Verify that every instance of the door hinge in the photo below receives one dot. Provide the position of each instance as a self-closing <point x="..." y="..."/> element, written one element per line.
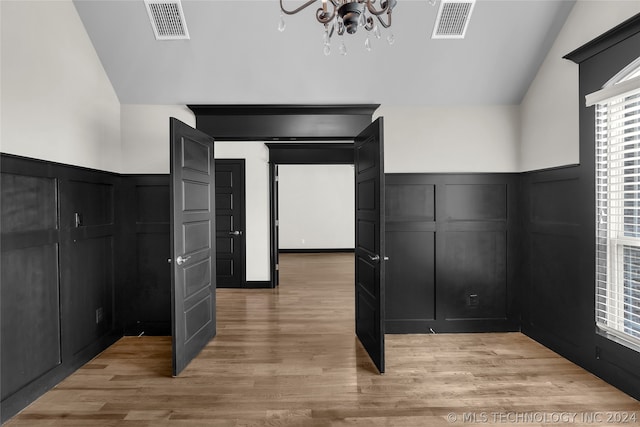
<point x="277" y="222"/>
<point x="277" y="178"/>
<point x="277" y="267"/>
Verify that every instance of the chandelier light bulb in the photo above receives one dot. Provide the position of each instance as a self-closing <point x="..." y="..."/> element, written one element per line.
<point x="281" y="24"/>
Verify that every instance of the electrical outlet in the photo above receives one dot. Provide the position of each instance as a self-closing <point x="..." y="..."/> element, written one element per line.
<point x="99" y="315"/>
<point x="473" y="300"/>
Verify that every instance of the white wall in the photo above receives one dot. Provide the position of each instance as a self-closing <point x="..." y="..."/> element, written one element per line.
<point x="145" y="136"/>
<point x="316" y="205"/>
<point x="57" y="101"/>
<point x="450" y="139"/>
<point x="549" y="111"/>
<point x="256" y="156"/>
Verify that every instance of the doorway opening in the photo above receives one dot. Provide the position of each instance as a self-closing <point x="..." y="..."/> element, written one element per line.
<point x="316" y="208"/>
<point x="366" y="153"/>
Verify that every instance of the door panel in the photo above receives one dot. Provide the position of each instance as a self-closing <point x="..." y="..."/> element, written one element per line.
<point x="193" y="282"/>
<point x="370" y="259"/>
<point x="230" y="223"/>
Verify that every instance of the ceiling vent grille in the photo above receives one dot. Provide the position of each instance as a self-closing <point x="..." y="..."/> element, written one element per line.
<point x="167" y="19"/>
<point x="453" y="19"/>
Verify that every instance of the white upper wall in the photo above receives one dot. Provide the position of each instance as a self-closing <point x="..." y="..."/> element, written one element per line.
<point x="257" y="233"/>
<point x="316" y="206"/>
<point x="57" y="102"/>
<point x="145" y="136"/>
<point x="550" y="110"/>
<point x="450" y="139"/>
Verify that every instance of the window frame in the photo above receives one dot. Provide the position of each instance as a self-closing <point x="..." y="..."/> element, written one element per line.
<point x="611" y="204"/>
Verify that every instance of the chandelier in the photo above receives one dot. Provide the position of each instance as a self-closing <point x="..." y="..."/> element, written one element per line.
<point x="347" y="16"/>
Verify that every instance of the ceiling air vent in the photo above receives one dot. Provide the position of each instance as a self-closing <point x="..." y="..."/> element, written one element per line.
<point x="167" y="19"/>
<point x="453" y="19"/>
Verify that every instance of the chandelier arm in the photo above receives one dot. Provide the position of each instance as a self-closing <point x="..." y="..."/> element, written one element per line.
<point x="294" y="11"/>
<point x="375" y="12"/>
<point x="385" y="24"/>
<point x="325" y="17"/>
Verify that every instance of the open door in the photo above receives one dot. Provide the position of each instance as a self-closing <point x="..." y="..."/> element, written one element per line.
<point x="193" y="286"/>
<point x="369" y="247"/>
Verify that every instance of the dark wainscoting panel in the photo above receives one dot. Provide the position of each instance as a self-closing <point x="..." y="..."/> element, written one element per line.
<point x="410" y="286"/>
<point x="473" y="275"/>
<point x="30" y="314"/>
<point x="146" y="285"/>
<point x="452" y="240"/>
<point x="57" y="285"/>
<point x="551" y="245"/>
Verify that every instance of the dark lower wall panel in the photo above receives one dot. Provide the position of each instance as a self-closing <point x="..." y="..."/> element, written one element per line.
<point x="454" y="253"/>
<point x="558" y="304"/>
<point x="57" y="287"/>
<point x="473" y="275"/>
<point x="90" y="293"/>
<point x="145" y="292"/>
<point x="30" y="315"/>
<point x="410" y="285"/>
<point x="550" y="296"/>
<point x="32" y="204"/>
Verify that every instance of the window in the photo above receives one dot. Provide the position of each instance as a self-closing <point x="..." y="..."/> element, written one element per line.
<point x="618" y="206"/>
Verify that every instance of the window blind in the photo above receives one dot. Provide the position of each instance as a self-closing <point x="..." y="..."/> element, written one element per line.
<point x="618" y="213"/>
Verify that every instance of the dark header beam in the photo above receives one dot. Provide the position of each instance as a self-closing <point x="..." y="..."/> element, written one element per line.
<point x="283" y="122"/>
<point x="311" y="154"/>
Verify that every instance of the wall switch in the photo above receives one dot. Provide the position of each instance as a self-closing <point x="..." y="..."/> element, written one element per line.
<point x="77" y="220"/>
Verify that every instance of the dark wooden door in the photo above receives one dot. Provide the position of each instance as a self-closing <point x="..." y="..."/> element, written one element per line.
<point x="370" y="258"/>
<point x="275" y="226"/>
<point x="230" y="223"/>
<point x="193" y="286"/>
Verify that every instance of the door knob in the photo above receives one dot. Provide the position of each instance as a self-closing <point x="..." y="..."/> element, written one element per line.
<point x="180" y="260"/>
<point x="374" y="258"/>
<point x="235" y="233"/>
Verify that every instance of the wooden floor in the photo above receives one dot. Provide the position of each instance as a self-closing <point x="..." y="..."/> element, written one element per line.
<point x="288" y="357"/>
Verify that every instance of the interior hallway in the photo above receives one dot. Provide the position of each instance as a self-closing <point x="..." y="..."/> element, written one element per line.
<point x="289" y="357"/>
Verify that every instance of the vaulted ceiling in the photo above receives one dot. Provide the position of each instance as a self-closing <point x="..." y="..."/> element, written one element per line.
<point x="236" y="55"/>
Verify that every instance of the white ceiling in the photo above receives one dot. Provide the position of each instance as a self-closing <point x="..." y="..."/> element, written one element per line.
<point x="236" y="55"/>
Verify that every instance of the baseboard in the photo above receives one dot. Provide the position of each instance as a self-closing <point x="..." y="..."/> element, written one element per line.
<point x="316" y="251"/>
<point x="258" y="284"/>
<point x="450" y="327"/>
<point x="154" y="329"/>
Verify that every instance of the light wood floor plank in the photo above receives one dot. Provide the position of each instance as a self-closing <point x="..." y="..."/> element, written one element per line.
<point x="289" y="357"/>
